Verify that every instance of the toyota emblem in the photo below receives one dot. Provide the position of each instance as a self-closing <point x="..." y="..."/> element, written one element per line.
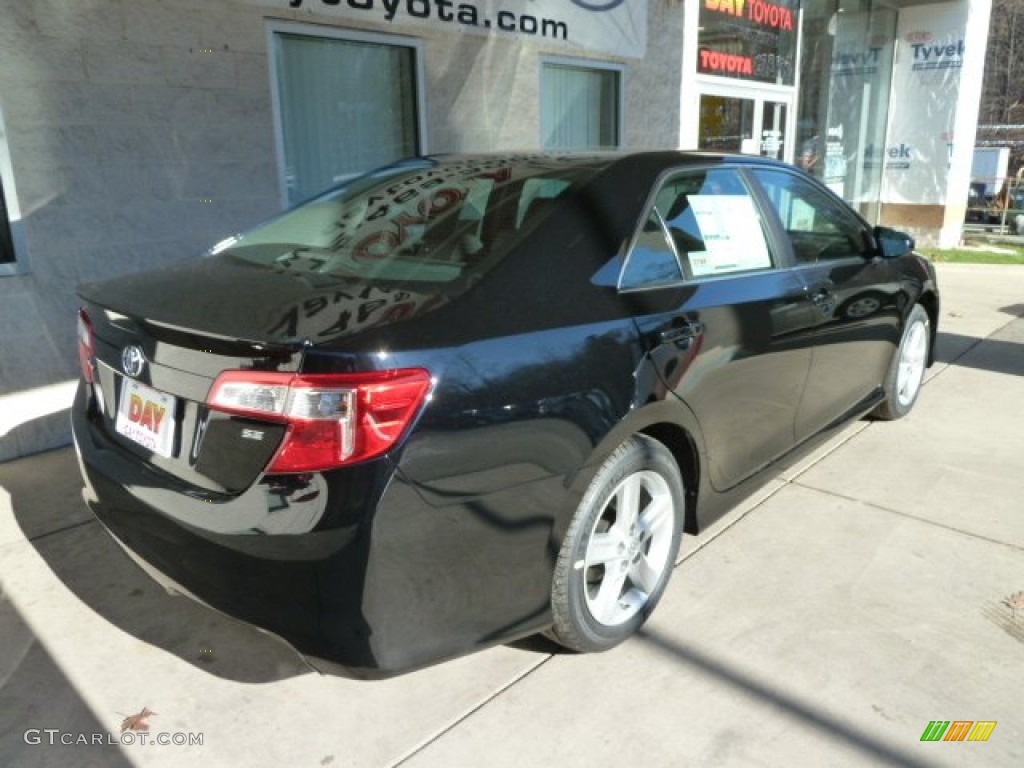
<point x="132" y="360"/>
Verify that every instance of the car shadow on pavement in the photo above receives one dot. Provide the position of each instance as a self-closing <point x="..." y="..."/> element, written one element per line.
<point x="839" y="730"/>
<point x="41" y="713"/>
<point x="47" y="506"/>
<point x="1017" y="310"/>
<point x="49" y="429"/>
<point x="539" y="644"/>
<point x="996" y="355"/>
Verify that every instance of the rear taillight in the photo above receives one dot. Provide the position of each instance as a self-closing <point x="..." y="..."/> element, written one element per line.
<point x="86" y="349"/>
<point x="333" y="419"/>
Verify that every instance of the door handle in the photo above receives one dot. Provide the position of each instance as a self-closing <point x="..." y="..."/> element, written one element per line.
<point x="822" y="293"/>
<point x="681" y="331"/>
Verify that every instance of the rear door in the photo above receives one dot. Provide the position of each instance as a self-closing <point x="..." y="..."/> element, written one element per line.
<point x="857" y="298"/>
<point x="726" y="324"/>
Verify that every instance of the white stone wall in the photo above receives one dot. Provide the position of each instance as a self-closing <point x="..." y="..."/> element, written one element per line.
<point x="141" y="131"/>
<point x="119" y="126"/>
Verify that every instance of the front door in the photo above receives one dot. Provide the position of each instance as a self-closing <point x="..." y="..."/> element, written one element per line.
<point x="858" y="300"/>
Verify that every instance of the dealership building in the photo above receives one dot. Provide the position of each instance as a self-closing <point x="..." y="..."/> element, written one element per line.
<point x="137" y="133"/>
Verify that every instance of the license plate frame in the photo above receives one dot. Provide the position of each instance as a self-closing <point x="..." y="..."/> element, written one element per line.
<point x="146" y="416"/>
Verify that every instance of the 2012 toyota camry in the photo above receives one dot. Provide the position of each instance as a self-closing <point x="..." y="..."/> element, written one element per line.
<point x="465" y="399"/>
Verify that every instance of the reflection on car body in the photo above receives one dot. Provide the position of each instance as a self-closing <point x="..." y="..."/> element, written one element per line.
<point x="464" y="399"/>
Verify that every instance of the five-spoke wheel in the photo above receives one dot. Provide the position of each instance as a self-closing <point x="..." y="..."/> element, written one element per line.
<point x="620" y="548"/>
<point x="906" y="374"/>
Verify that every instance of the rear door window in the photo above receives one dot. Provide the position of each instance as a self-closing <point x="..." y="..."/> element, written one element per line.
<point x="707" y="222"/>
<point x="653" y="261"/>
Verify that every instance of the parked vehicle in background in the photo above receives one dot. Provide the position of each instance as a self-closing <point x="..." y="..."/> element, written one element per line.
<point x="977" y="203"/>
<point x="465" y="399"/>
<point x="1003" y="209"/>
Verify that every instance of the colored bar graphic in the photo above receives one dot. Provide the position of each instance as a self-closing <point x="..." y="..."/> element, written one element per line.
<point x="958" y="730"/>
<point x="982" y="730"/>
<point x="935" y="730"/>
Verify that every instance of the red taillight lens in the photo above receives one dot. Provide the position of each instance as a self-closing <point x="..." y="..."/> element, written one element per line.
<point x="334" y="419"/>
<point x="85" y="345"/>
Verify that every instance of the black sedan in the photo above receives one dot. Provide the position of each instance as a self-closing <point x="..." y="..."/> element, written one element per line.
<point x="465" y="399"/>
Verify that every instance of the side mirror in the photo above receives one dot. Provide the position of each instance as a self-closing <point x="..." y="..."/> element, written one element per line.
<point x="892" y="244"/>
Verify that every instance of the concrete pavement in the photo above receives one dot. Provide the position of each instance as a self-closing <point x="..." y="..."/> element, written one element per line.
<point x="867" y="591"/>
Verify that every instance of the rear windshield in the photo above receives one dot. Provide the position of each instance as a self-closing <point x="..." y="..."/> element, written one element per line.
<point x="418" y="221"/>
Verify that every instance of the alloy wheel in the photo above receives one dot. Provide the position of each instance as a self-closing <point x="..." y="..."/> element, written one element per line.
<point x="629" y="548"/>
<point x="913" y="359"/>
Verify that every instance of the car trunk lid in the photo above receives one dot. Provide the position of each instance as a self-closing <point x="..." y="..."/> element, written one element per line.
<point x="151" y="381"/>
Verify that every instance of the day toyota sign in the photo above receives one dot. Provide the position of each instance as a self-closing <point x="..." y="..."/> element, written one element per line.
<point x="612" y="27"/>
<point x="748" y="39"/>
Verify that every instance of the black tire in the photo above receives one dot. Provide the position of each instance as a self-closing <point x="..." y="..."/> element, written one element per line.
<point x="636" y="560"/>
<point x="902" y="385"/>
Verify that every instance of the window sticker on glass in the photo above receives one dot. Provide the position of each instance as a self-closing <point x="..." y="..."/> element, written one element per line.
<point x="732" y="235"/>
<point x="802" y="217"/>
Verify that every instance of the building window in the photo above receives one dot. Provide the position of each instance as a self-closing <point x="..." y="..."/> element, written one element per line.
<point x="580" y="106"/>
<point x="345" y="105"/>
<point x="9" y="213"/>
<point x="6" y="241"/>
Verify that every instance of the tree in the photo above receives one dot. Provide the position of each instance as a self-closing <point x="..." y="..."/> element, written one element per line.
<point x="1002" y="92"/>
<point x="1002" y="99"/>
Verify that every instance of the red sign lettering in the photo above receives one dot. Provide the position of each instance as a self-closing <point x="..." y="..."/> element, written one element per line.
<point x="734" y="64"/>
<point x="145" y="413"/>
<point x="758" y="11"/>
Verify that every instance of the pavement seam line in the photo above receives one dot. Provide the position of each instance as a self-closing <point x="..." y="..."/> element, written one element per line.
<point x="441" y="732"/>
<point x="811" y="460"/>
<point x="811" y="463"/>
<point x="55" y="531"/>
<point x="795" y="480"/>
<point x="700" y="545"/>
<point x="876" y="505"/>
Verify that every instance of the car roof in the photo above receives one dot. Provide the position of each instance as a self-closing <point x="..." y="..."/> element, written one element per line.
<point x="599" y="158"/>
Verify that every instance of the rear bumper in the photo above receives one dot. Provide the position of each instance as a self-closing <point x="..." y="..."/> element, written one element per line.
<point x="306" y="588"/>
<point x="384" y="583"/>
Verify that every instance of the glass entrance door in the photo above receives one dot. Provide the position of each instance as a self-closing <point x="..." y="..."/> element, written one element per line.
<point x="726" y="123"/>
<point x="773" y="129"/>
<point x="747" y="121"/>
